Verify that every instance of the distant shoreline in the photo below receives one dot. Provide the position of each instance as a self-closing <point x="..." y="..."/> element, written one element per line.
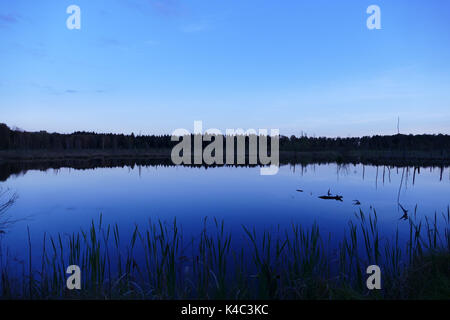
<point x="84" y="154"/>
<point x="395" y="150"/>
<point x="377" y="157"/>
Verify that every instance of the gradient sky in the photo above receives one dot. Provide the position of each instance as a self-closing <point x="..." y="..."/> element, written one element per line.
<point x="151" y="66"/>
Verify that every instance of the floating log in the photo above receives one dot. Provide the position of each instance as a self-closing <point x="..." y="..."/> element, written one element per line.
<point x="337" y="198"/>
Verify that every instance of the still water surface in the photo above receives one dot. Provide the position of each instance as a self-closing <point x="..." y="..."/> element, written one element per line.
<point x="67" y="200"/>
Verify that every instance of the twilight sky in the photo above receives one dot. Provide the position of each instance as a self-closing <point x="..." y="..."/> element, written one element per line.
<point x="151" y="66"/>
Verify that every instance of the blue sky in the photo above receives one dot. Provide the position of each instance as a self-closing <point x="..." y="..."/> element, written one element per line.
<point x="151" y="66"/>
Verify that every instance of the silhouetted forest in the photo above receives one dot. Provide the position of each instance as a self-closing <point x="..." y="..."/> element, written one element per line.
<point x="22" y="140"/>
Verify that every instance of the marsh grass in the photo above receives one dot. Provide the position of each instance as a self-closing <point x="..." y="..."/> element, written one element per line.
<point x="7" y="199"/>
<point x="156" y="262"/>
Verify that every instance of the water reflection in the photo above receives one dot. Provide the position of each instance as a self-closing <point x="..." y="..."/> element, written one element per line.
<point x="63" y="197"/>
<point x="17" y="168"/>
<point x="7" y="199"/>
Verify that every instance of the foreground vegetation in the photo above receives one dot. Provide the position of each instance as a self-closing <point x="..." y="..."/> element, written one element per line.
<point x="158" y="263"/>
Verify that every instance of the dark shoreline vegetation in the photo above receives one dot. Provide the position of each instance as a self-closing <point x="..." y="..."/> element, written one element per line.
<point x="423" y="149"/>
<point x="285" y="264"/>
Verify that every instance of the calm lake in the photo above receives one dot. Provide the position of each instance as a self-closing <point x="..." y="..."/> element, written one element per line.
<point x="66" y="200"/>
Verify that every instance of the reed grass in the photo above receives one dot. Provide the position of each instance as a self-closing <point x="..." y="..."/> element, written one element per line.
<point x="157" y="262"/>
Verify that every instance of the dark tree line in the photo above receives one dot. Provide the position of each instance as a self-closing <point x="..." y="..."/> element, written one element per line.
<point x="21" y="140"/>
<point x="398" y="142"/>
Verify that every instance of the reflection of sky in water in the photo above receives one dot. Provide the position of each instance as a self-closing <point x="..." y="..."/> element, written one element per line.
<point x="67" y="200"/>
